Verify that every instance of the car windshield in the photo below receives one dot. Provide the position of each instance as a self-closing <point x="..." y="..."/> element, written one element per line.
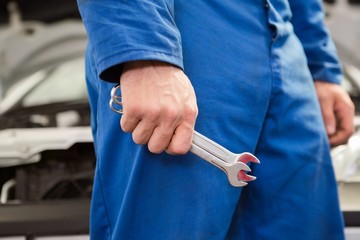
<point x="63" y="83"/>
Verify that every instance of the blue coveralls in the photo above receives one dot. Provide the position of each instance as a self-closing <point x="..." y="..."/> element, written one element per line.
<point x="252" y="64"/>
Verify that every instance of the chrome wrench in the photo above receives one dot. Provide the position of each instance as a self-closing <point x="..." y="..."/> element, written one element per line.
<point x="234" y="165"/>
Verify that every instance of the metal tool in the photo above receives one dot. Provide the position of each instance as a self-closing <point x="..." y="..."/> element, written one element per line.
<point x="234" y="165"/>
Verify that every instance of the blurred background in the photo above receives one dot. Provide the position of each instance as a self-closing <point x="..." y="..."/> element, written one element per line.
<point x="46" y="153"/>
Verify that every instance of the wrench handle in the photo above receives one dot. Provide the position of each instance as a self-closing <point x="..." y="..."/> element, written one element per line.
<point x="212" y="147"/>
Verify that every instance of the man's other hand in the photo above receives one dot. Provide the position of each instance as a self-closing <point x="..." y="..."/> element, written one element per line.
<point x="337" y="110"/>
<point x="159" y="106"/>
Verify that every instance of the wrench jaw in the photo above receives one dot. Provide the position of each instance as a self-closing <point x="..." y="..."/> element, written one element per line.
<point x="236" y="174"/>
<point x="232" y="172"/>
<point x="245" y="158"/>
<point x="242" y="176"/>
<point x="237" y="183"/>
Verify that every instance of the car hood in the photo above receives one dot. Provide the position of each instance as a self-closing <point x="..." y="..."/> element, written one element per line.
<point x="24" y="146"/>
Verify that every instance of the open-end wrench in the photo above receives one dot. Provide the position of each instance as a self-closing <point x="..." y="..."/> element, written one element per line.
<point x="234" y="165"/>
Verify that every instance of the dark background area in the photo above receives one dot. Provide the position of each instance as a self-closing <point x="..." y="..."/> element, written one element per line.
<point x="41" y="10"/>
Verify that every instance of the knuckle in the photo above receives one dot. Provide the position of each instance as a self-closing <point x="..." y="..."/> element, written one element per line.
<point x="191" y="112"/>
<point x="171" y="114"/>
<point x="347" y="102"/>
<point x="153" y="113"/>
<point x="135" y="111"/>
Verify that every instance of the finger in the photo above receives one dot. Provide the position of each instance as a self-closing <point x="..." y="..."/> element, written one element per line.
<point x="128" y="124"/>
<point x="181" y="140"/>
<point x="340" y="137"/>
<point x="345" y="118"/>
<point x="160" y="139"/>
<point x="143" y="131"/>
<point x="327" y="110"/>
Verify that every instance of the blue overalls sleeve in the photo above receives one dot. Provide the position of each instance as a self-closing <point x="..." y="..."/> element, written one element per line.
<point x="120" y="31"/>
<point x="309" y="26"/>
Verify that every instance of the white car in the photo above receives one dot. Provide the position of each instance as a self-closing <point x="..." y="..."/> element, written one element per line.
<point x="46" y="147"/>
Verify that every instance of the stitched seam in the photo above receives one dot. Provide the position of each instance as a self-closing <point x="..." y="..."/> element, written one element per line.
<point x="138" y="50"/>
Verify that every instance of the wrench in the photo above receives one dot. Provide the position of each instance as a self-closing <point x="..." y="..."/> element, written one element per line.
<point x="234" y="165"/>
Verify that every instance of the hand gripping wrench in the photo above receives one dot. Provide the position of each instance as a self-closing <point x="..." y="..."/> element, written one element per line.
<point x="234" y="165"/>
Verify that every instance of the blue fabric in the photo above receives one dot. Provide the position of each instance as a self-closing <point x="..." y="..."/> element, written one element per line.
<point x="252" y="64"/>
